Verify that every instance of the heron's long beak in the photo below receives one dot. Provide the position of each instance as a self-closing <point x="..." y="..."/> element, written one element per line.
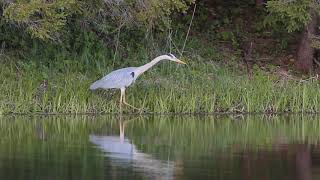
<point x="180" y="62"/>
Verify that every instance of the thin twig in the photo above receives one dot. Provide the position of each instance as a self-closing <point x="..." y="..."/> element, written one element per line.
<point x="170" y="41"/>
<point x="175" y="46"/>
<point x="185" y="41"/>
<point x="117" y="44"/>
<point x="317" y="62"/>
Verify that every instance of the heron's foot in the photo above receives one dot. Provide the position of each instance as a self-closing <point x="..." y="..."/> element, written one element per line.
<point x="139" y="109"/>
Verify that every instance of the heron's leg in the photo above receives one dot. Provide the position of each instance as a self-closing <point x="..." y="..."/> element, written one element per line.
<point x="121" y="99"/>
<point x="124" y="101"/>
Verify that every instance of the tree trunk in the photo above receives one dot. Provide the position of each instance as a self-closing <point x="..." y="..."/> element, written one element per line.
<point x="305" y="51"/>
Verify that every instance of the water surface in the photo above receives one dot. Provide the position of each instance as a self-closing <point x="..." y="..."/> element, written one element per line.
<point x="159" y="147"/>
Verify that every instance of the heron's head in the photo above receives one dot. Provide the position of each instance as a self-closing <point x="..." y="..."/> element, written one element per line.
<point x="171" y="57"/>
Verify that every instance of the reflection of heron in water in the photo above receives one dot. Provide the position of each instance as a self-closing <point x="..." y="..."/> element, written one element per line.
<point x="122" y="152"/>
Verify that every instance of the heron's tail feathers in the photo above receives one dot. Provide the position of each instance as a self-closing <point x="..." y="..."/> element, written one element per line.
<point x="95" y="85"/>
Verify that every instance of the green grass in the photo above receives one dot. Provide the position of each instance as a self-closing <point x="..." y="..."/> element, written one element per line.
<point x="196" y="88"/>
<point x="205" y="85"/>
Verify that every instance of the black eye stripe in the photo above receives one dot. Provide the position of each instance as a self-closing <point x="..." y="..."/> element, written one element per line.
<point x="170" y="55"/>
<point x="132" y="74"/>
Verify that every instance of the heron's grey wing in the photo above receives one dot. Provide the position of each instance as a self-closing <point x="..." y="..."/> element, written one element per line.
<point x="116" y="79"/>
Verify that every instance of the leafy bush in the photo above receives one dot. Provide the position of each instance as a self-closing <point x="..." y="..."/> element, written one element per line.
<point x="45" y="19"/>
<point x="294" y="15"/>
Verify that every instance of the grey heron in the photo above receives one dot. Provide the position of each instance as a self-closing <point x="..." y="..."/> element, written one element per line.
<point x="123" y="78"/>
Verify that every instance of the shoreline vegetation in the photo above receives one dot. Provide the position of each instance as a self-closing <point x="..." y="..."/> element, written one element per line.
<point x="206" y="85"/>
<point x="213" y="81"/>
<point x="203" y="86"/>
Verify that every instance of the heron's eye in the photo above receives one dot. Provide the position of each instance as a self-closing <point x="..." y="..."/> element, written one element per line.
<point x="132" y="74"/>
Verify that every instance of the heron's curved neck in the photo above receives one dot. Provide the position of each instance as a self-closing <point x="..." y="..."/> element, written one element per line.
<point x="147" y="66"/>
